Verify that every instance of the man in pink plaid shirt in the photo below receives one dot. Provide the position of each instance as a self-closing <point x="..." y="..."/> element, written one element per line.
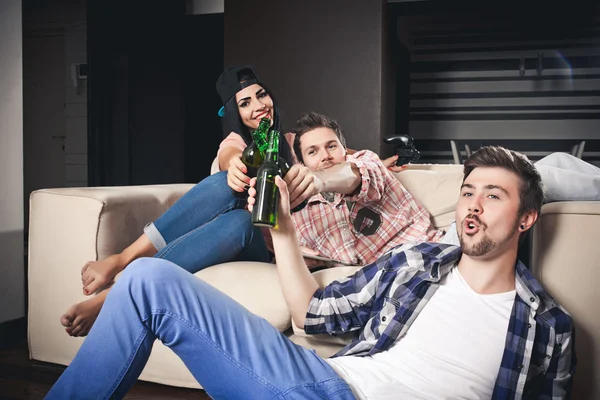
<point x="357" y="210"/>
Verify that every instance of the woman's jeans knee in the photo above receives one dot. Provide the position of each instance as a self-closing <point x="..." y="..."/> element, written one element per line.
<point x="229" y="237"/>
<point x="205" y="201"/>
<point x="207" y="226"/>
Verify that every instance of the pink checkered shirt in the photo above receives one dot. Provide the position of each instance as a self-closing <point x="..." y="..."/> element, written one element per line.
<point x="360" y="228"/>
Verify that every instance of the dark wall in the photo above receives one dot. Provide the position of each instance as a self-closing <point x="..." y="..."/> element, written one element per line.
<point x="324" y="56"/>
<point x="391" y="62"/>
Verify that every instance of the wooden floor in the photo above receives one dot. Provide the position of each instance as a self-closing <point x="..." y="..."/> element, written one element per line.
<point x="24" y="379"/>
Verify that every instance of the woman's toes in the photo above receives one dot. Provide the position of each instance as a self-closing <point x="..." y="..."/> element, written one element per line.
<point x="66" y="320"/>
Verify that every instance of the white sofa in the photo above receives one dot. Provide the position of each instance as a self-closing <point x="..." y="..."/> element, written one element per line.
<point x="73" y="225"/>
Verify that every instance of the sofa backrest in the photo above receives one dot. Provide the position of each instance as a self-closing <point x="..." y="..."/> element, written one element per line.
<point x="436" y="187"/>
<point x="565" y="256"/>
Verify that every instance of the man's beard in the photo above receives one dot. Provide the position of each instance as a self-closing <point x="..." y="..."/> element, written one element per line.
<point x="481" y="248"/>
<point x="486" y="244"/>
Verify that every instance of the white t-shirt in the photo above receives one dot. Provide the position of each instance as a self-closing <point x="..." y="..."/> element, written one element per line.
<point x="453" y="349"/>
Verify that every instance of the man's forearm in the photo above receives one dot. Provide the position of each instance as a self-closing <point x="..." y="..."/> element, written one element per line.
<point x="342" y="178"/>
<point x="297" y="283"/>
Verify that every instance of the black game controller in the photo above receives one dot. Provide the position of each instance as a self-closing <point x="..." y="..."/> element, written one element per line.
<point x="404" y="147"/>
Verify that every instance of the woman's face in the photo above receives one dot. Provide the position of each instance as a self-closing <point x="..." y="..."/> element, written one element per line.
<point x="254" y="103"/>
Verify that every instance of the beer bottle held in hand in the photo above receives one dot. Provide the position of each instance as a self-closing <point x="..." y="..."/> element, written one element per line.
<point x="266" y="205"/>
<point x="285" y="167"/>
<point x="254" y="154"/>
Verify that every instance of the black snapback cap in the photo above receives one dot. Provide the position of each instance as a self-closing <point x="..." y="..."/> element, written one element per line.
<point x="228" y="83"/>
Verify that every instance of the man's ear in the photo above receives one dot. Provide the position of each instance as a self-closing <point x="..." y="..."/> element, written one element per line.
<point x="527" y="220"/>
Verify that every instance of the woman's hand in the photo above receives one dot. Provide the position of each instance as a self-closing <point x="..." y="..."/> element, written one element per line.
<point x="236" y="175"/>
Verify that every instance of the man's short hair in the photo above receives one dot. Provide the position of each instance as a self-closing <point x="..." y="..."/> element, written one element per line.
<point x="311" y="121"/>
<point x="531" y="191"/>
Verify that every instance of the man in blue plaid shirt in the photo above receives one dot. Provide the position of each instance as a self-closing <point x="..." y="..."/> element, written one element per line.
<point x="492" y="333"/>
<point x="431" y="321"/>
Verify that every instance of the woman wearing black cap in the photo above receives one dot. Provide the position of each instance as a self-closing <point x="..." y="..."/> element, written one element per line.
<point x="246" y="101"/>
<point x="208" y="225"/>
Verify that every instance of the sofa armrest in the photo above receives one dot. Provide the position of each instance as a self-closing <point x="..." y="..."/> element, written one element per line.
<point x="69" y="227"/>
<point x="565" y="254"/>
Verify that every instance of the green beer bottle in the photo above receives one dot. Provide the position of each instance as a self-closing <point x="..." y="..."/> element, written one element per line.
<point x="266" y="205"/>
<point x="253" y="157"/>
<point x="254" y="154"/>
<point x="285" y="167"/>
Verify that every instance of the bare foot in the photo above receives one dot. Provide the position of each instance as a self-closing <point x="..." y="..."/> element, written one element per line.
<point x="78" y="319"/>
<point x="97" y="274"/>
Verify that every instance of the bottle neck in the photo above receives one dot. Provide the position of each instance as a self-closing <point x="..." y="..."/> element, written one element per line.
<point x="260" y="135"/>
<point x="260" y="139"/>
<point x="273" y="148"/>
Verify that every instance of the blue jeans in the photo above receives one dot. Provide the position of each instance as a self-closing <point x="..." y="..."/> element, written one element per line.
<point x="231" y="352"/>
<point x="207" y="226"/>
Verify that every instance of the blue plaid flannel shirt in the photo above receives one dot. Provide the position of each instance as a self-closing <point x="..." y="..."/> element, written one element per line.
<point x="380" y="302"/>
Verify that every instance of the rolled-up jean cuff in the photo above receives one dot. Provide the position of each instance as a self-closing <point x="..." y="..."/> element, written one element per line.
<point x="155" y="237"/>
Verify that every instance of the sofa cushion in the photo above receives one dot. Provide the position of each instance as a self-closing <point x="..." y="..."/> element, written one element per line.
<point x="254" y="285"/>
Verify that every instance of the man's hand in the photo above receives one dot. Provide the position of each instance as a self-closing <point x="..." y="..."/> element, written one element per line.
<point x="297" y="283"/>
<point x="311" y="262"/>
<point x="302" y="183"/>
<point x="284" y="218"/>
<point x="236" y="174"/>
<point x="390" y="163"/>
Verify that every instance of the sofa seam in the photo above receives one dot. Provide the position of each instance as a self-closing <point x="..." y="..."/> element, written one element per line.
<point x="47" y="191"/>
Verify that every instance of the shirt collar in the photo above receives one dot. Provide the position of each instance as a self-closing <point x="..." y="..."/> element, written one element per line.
<point x="446" y="260"/>
<point x="447" y="257"/>
<point x="435" y="259"/>
<point x="528" y="288"/>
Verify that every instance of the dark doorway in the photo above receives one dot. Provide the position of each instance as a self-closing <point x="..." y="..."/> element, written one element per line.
<point x="203" y="62"/>
<point x="151" y="100"/>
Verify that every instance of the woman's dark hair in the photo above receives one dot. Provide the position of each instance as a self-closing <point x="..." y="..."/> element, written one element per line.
<point x="232" y="115"/>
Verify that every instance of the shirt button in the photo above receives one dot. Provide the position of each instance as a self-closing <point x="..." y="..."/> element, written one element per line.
<point x="384" y="318"/>
<point x="532" y="299"/>
<point x="529" y="325"/>
<point x="520" y="366"/>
